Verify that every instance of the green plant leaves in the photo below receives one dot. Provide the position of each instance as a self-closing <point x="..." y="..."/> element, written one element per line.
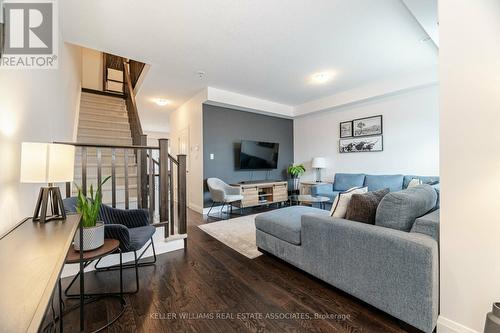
<point x="296" y="170"/>
<point x="89" y="207"/>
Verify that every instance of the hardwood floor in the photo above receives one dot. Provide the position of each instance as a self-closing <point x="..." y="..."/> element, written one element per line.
<point x="220" y="290"/>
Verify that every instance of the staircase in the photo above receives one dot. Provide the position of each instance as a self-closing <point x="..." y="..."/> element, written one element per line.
<point x="104" y="121"/>
<point x="110" y="143"/>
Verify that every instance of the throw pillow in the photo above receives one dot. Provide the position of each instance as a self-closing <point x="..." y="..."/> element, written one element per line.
<point x="414" y="182"/>
<point x="363" y="207"/>
<point x="341" y="202"/>
<point x="398" y="210"/>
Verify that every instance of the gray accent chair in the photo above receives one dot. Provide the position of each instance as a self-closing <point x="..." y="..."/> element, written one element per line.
<point x="392" y="265"/>
<point x="223" y="193"/>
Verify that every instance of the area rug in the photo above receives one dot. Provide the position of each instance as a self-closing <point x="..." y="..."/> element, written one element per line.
<point x="237" y="233"/>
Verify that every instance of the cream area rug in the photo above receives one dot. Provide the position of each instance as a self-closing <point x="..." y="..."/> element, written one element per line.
<point x="237" y="233"/>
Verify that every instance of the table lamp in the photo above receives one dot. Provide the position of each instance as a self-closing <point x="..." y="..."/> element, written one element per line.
<point x="318" y="163"/>
<point x="47" y="163"/>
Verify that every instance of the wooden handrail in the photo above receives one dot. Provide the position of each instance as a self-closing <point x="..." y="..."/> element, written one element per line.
<point x="100" y="145"/>
<point x="133" y="114"/>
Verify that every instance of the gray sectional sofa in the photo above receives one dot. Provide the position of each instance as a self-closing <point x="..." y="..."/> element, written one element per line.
<point x="392" y="265"/>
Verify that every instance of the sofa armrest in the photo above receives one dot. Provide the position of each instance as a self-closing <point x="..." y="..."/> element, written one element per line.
<point x="393" y="270"/>
<point x="428" y="225"/>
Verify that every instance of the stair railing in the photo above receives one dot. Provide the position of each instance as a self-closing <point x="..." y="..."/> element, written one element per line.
<point x="161" y="214"/>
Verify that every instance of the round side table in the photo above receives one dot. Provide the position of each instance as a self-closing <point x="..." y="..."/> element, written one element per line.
<point x="110" y="246"/>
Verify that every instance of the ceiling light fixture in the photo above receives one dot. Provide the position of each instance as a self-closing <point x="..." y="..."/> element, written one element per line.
<point x="201" y="74"/>
<point x="321" y="77"/>
<point x="161" y="101"/>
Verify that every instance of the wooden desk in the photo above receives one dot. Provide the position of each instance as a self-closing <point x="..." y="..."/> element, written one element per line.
<point x="31" y="258"/>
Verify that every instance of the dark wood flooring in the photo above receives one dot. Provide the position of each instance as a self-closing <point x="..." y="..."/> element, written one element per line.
<point x="220" y="290"/>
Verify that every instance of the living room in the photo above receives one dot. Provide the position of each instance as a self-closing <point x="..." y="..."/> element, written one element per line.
<point x="249" y="166"/>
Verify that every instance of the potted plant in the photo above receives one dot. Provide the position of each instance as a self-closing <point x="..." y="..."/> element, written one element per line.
<point x="295" y="171"/>
<point x="88" y="208"/>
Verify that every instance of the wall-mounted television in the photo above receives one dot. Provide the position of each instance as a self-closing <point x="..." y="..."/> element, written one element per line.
<point x="256" y="155"/>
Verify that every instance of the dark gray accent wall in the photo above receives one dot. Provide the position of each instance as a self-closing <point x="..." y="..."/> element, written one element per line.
<point x="223" y="130"/>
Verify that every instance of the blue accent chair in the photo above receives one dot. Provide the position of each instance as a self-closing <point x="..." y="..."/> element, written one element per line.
<point x="129" y="226"/>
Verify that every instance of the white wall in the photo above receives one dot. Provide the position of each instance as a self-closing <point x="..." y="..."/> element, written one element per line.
<point x="35" y="105"/>
<point x="411" y="136"/>
<point x="470" y="162"/>
<point x="92" y="69"/>
<point x="188" y="118"/>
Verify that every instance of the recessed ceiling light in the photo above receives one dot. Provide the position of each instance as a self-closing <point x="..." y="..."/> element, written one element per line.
<point x="161" y="101"/>
<point x="321" y="77"/>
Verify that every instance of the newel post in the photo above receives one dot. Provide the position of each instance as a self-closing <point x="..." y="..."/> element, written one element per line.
<point x="164" y="183"/>
<point x="182" y="193"/>
<point x="143" y="172"/>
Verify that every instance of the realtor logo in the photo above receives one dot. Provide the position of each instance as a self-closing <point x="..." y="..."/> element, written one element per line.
<point x="30" y="32"/>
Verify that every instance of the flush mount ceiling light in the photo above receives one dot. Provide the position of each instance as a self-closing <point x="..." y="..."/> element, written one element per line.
<point x="161" y="101"/>
<point x="321" y="77"/>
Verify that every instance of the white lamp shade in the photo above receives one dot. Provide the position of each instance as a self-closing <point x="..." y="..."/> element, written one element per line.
<point x="47" y="163"/>
<point x="319" y="163"/>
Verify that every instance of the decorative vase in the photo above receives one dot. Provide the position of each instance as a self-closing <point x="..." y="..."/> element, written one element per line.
<point x="492" y="324"/>
<point x="93" y="237"/>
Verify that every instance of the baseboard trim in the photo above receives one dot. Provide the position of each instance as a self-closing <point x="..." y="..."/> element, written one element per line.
<point x="445" y="325"/>
<point x="196" y="208"/>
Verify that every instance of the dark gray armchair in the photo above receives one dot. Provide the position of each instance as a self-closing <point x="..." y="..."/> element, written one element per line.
<point x="129" y="226"/>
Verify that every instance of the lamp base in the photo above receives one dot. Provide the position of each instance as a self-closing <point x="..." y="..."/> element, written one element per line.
<point x="318" y="175"/>
<point x="49" y="198"/>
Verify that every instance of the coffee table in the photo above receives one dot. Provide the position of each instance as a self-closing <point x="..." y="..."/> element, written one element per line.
<point x="309" y="199"/>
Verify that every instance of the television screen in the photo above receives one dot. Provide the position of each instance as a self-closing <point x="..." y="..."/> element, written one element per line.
<point x="256" y="155"/>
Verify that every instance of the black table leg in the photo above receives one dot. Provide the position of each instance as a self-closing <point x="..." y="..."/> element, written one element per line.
<point x="60" y="307"/>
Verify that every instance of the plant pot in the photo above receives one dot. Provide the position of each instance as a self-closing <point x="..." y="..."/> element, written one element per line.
<point x="93" y="237"/>
<point x="293" y="185"/>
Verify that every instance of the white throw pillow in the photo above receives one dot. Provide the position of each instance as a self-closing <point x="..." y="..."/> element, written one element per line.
<point x="414" y="182"/>
<point x="341" y="202"/>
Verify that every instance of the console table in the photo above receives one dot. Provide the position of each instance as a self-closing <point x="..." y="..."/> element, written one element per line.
<point x="262" y="193"/>
<point x="32" y="256"/>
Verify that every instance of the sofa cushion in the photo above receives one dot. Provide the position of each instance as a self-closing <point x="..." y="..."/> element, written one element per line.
<point x="345" y="181"/>
<point x="378" y="182"/>
<point x="425" y="180"/>
<point x="398" y="210"/>
<point x="363" y="207"/>
<point x="285" y="223"/>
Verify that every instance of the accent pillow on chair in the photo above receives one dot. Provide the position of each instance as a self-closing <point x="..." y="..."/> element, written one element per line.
<point x="341" y="202"/>
<point x="363" y="207"/>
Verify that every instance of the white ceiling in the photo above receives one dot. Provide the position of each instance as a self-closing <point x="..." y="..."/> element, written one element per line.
<point x="261" y="48"/>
